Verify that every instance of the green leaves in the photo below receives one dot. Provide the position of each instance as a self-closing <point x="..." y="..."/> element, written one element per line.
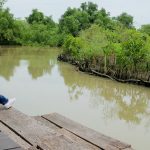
<point x="37" y="30"/>
<point x="134" y="51"/>
<point x="127" y="50"/>
<point x="38" y="17"/>
<point x="73" y="46"/>
<point x="35" y="17"/>
<point x="6" y="27"/>
<point x="74" y="20"/>
<point x="145" y="29"/>
<point x="2" y="2"/>
<point x="126" y="20"/>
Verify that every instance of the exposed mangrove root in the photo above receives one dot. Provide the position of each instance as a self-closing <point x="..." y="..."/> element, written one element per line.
<point x="134" y="81"/>
<point x="85" y="68"/>
<point x="102" y="74"/>
<point x="140" y="82"/>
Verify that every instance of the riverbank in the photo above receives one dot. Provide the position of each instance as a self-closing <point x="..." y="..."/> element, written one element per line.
<point x="123" y="77"/>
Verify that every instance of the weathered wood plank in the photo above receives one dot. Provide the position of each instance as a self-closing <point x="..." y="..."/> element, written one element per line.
<point x="68" y="134"/>
<point x="19" y="148"/>
<point x="62" y="143"/>
<point x="7" y="143"/>
<point x="90" y="135"/>
<point x="45" y="122"/>
<point x="72" y="136"/>
<point x="33" y="148"/>
<point x="17" y="139"/>
<point x="35" y="133"/>
<point x="25" y="126"/>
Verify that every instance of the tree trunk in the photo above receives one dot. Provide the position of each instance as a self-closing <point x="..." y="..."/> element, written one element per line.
<point x="105" y="63"/>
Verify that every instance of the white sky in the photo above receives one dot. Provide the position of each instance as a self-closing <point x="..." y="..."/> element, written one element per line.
<point x="139" y="9"/>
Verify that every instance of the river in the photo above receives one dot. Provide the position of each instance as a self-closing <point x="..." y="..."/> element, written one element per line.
<point x="43" y="85"/>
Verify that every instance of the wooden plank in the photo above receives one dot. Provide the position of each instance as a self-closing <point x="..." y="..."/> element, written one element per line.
<point x="19" y="148"/>
<point x="35" y="133"/>
<point x="7" y="143"/>
<point x="62" y="143"/>
<point x="72" y="136"/>
<point x="68" y="134"/>
<point x="89" y="135"/>
<point x="25" y="126"/>
<point x="45" y="122"/>
<point x="33" y="148"/>
<point x="17" y="139"/>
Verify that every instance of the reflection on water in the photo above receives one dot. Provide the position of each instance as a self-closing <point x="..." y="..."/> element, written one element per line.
<point x="119" y="110"/>
<point x="41" y="61"/>
<point x="131" y="103"/>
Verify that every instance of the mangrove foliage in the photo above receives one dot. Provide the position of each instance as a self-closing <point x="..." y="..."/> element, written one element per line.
<point x="90" y="38"/>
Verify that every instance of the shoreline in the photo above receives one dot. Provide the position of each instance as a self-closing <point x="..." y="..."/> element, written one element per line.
<point x="93" y="71"/>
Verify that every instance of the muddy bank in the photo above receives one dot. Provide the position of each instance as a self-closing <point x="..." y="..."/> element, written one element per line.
<point x="113" y="74"/>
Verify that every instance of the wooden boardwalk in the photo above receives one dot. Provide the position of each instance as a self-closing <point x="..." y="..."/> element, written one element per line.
<point x="50" y="132"/>
<point x="7" y="144"/>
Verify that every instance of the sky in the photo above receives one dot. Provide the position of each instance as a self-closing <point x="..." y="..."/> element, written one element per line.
<point x="139" y="9"/>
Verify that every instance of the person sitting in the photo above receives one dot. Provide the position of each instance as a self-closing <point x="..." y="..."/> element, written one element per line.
<point x="7" y="103"/>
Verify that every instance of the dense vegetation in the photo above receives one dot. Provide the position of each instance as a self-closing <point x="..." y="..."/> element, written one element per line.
<point x="105" y="46"/>
<point x="91" y="39"/>
<point x="37" y="29"/>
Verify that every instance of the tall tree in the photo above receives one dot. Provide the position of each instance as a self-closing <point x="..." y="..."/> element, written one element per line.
<point x="91" y="9"/>
<point x="35" y="17"/>
<point x="145" y="29"/>
<point x="126" y="20"/>
<point x="133" y="46"/>
<point x="38" y="17"/>
<point x="2" y="2"/>
<point x="102" y="18"/>
<point x="73" y="21"/>
<point x="7" y="27"/>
